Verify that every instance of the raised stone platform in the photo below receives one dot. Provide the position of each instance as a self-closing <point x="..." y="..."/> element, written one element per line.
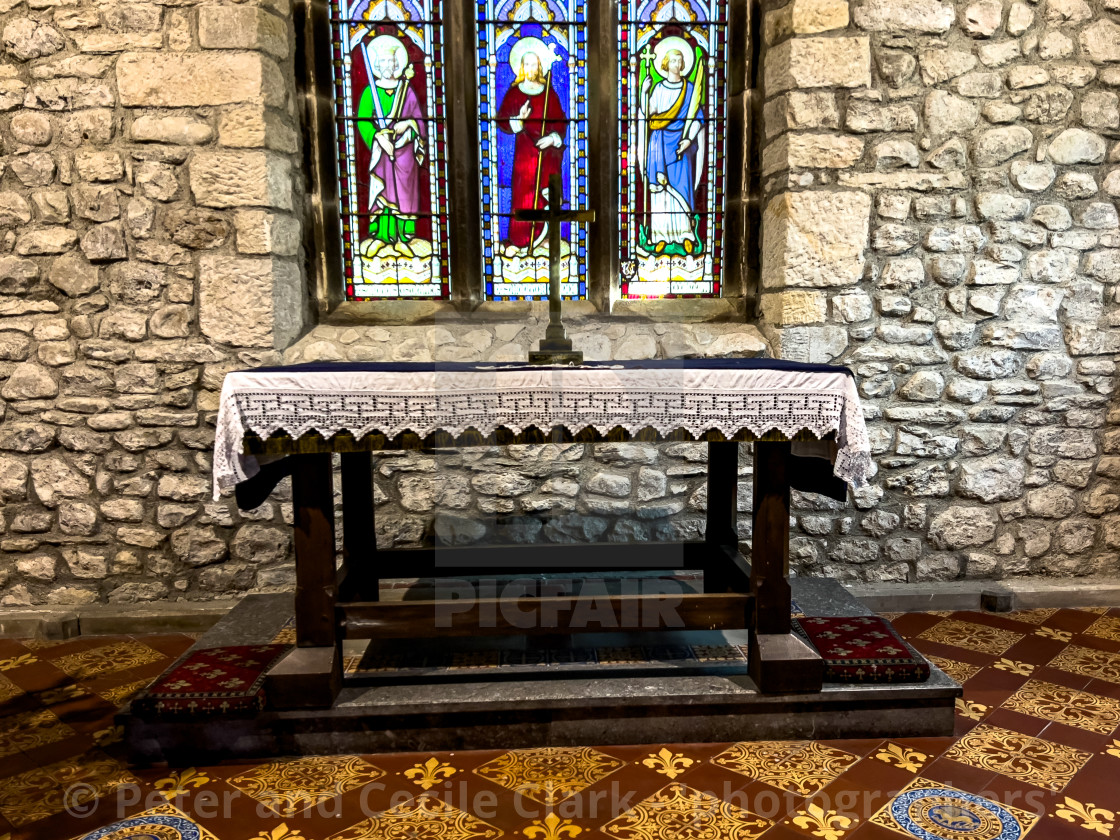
<point x="682" y="687"/>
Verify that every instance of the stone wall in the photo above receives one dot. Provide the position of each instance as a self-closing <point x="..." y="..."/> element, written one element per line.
<point x="941" y="185"/>
<point x="150" y="197"/>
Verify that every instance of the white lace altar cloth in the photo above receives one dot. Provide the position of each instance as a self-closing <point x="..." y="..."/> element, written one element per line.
<point x="390" y="399"/>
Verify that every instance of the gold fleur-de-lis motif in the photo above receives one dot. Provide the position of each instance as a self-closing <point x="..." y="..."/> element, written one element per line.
<point x="970" y="709"/>
<point x="430" y="773"/>
<point x="551" y="828"/>
<point x="111" y="735"/>
<point x="668" y="763"/>
<point x="1023" y="669"/>
<point x="56" y="696"/>
<point x="1053" y="633"/>
<point x="828" y="825"/>
<point x="177" y="783"/>
<point x="902" y="757"/>
<point x="18" y="661"/>
<point x="281" y="832"/>
<point x="1114" y="748"/>
<point x="1091" y="817"/>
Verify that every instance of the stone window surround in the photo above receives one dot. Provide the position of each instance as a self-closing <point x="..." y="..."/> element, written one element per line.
<point x="313" y="83"/>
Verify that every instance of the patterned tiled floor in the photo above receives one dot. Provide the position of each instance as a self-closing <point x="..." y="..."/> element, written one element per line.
<point x="1036" y="752"/>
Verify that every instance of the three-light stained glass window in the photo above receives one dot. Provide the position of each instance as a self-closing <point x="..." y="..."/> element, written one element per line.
<point x="532" y="83"/>
<point x="528" y="63"/>
<point x="389" y="105"/>
<point x="672" y="91"/>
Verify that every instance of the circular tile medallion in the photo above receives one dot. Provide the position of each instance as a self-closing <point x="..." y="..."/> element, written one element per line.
<point x="946" y="814"/>
<point x="152" y="827"/>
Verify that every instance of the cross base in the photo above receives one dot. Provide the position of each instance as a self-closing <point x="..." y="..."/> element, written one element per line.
<point x="556" y="351"/>
<point x="558" y="356"/>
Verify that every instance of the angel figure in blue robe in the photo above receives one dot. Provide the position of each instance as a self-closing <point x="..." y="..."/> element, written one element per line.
<point x="673" y="139"/>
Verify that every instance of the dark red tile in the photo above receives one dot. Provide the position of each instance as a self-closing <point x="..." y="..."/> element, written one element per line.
<point x="73" y="745"/>
<point x="956" y="774"/>
<point x="1096" y="782"/>
<point x="909" y="625"/>
<point x="785" y="831"/>
<point x="1072" y="736"/>
<point x="1017" y="722"/>
<point x="1103" y="688"/>
<point x="871" y="831"/>
<point x="865" y="788"/>
<point x="13" y="765"/>
<point x="11" y="649"/>
<point x="766" y="801"/>
<point x="1086" y="640"/>
<point x="995" y="682"/>
<point x="1075" y="621"/>
<point x="1034" y="649"/>
<point x="1053" y="828"/>
<point x="1016" y="793"/>
<point x="860" y="747"/>
<point x="39" y="675"/>
<point x="712" y="778"/>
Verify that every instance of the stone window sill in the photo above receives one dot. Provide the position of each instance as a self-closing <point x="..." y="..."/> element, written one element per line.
<point x="416" y="312"/>
<point x="505" y="332"/>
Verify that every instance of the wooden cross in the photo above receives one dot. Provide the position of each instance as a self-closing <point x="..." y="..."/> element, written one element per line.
<point x="556" y="347"/>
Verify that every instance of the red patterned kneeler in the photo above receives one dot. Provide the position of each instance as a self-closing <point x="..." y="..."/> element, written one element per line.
<point x="212" y="683"/>
<point x="863" y="648"/>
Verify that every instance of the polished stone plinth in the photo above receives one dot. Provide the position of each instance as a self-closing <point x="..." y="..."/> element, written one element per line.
<point x="680" y="687"/>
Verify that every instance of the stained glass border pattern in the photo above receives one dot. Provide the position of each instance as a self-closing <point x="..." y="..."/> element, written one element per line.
<point x="640" y="23"/>
<point x="420" y="21"/>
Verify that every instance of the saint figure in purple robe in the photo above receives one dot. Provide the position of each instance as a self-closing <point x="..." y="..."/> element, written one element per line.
<point x="396" y="134"/>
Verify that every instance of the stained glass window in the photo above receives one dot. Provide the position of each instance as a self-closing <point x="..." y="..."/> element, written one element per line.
<point x="389" y="111"/>
<point x="672" y="84"/>
<point x="532" y="96"/>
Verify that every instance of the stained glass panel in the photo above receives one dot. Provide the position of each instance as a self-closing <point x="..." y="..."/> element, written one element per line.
<point x="392" y="152"/>
<point x="672" y="83"/>
<point x="532" y="77"/>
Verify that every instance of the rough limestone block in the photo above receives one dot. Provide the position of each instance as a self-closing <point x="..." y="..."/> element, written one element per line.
<point x="182" y="131"/>
<point x="242" y="28"/>
<point x="256" y="127"/>
<point x="815" y="239"/>
<point x="819" y="62"/>
<point x="801" y="109"/>
<point x="192" y="80"/>
<point x="815" y="345"/>
<point x="811" y="151"/>
<point x="241" y="179"/>
<point x="930" y="16"/>
<point x="806" y="17"/>
<point x="793" y="308"/>
<point x="1101" y="41"/>
<point x="260" y="232"/>
<point x="249" y="302"/>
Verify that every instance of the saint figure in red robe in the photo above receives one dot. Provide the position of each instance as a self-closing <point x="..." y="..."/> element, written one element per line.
<point x="532" y="111"/>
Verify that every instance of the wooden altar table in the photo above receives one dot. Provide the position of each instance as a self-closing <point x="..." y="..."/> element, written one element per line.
<point x="291" y="421"/>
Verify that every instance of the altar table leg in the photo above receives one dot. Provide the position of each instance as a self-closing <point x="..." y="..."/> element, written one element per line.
<point x="721" y="528"/>
<point x="311" y="675"/>
<point x="779" y="660"/>
<point x="359" y="534"/>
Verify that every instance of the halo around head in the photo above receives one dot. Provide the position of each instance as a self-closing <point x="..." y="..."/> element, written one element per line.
<point x="673" y="42"/>
<point x="546" y="54"/>
<point x="387" y="45"/>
